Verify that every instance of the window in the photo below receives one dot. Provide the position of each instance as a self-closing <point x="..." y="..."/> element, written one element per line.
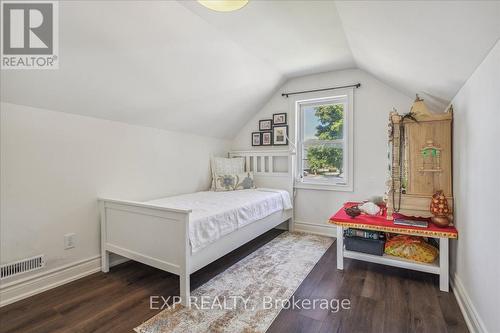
<point x="324" y="143"/>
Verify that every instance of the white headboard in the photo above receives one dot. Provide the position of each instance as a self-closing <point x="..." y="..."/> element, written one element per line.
<point x="271" y="168"/>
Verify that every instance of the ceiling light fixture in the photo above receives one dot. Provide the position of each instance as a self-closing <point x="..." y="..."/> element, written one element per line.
<point x="223" y="5"/>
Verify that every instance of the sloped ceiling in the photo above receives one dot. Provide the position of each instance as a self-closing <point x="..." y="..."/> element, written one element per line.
<point x="429" y="47"/>
<point x="295" y="37"/>
<point x="177" y="65"/>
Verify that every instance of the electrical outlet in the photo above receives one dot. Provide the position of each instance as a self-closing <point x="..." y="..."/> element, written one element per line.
<point x="69" y="241"/>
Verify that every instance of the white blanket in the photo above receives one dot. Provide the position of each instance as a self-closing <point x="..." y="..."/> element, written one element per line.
<point x="215" y="214"/>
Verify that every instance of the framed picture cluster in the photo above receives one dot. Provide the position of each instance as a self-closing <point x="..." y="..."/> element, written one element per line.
<point x="272" y="132"/>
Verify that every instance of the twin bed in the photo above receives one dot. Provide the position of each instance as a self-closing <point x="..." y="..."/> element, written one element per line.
<point x="184" y="233"/>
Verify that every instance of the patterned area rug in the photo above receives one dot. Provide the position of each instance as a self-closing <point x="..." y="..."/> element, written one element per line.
<point x="250" y="294"/>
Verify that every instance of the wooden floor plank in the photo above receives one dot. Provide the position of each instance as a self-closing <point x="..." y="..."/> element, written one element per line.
<point x="383" y="299"/>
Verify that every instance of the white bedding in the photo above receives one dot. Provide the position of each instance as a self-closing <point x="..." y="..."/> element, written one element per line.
<point x="215" y="214"/>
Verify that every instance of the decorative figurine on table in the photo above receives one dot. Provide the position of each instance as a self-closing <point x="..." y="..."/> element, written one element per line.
<point x="370" y="208"/>
<point x="352" y="211"/>
<point x="439" y="208"/>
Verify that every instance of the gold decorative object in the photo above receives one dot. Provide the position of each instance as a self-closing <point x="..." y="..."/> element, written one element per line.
<point x="419" y="160"/>
<point x="439" y="208"/>
<point x="418" y="109"/>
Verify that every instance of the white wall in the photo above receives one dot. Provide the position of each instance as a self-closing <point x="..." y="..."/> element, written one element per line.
<point x="372" y="104"/>
<point x="476" y="164"/>
<point x="55" y="165"/>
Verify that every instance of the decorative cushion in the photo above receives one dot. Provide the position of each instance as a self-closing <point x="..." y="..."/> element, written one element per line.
<point x="226" y="166"/>
<point x="241" y="181"/>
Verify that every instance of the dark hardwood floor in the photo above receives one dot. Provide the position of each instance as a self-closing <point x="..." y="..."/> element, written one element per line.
<point x="383" y="299"/>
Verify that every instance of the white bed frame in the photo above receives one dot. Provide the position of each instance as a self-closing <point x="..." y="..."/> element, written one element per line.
<point x="158" y="236"/>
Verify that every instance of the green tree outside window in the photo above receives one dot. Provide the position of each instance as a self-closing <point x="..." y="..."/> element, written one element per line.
<point x="331" y="118"/>
<point x="327" y="157"/>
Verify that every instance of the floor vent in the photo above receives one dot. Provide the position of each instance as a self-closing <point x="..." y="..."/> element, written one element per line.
<point x="22" y="266"/>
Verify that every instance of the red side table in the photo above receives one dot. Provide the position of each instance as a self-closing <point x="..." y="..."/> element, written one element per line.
<point x="380" y="223"/>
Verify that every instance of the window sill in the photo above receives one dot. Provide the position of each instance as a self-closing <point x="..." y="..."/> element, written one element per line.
<point x="324" y="187"/>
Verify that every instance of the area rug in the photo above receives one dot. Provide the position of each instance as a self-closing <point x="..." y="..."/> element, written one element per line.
<point x="248" y="295"/>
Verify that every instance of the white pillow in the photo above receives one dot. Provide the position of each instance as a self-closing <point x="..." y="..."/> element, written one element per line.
<point x="226" y="166"/>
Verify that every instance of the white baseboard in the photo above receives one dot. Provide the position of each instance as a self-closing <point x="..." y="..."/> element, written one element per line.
<point x="471" y="316"/>
<point x="32" y="285"/>
<point x="314" y="228"/>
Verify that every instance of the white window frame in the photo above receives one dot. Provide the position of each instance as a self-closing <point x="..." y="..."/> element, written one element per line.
<point x="347" y="185"/>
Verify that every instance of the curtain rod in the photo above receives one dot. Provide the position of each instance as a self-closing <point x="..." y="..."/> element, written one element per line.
<point x="357" y="85"/>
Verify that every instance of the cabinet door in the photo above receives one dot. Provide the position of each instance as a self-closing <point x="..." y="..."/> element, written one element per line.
<point x="427" y="182"/>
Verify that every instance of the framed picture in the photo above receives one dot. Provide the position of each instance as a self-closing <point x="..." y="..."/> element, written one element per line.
<point x="256" y="139"/>
<point x="280" y="133"/>
<point x="267" y="138"/>
<point x="279" y="119"/>
<point x="265" y="124"/>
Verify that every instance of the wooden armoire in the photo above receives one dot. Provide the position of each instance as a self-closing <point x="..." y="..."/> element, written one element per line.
<point x="420" y="160"/>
